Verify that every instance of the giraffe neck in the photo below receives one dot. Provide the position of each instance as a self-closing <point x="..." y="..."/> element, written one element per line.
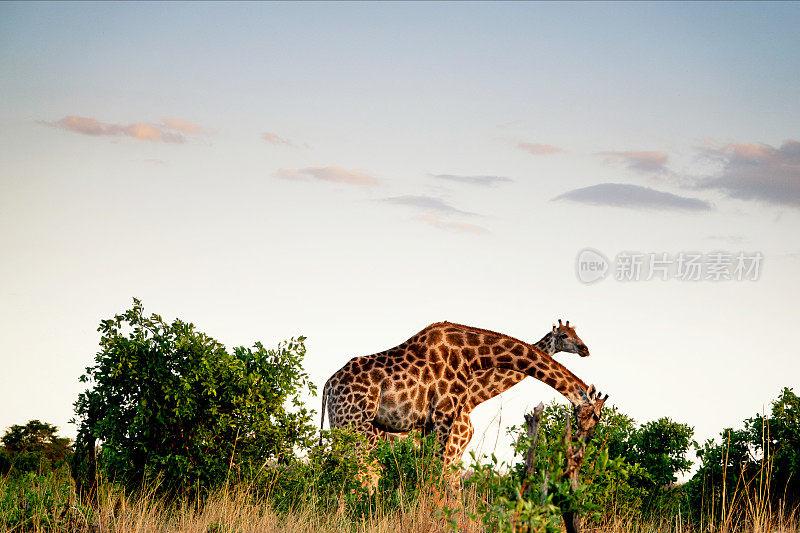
<point x="511" y="354"/>
<point x="547" y="345"/>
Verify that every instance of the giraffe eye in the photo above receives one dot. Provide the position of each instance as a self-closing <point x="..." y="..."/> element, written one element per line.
<point x="563" y="336"/>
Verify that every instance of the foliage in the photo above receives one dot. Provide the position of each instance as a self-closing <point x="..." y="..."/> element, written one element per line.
<point x="763" y="455"/>
<point x="507" y="505"/>
<point x="330" y="477"/>
<point x="172" y="403"/>
<point x="651" y="455"/>
<point x="34" y="447"/>
<point x="31" y="501"/>
<point x="660" y="447"/>
<point x="537" y="502"/>
<point x="407" y="468"/>
<point x="625" y="470"/>
<point x="778" y="437"/>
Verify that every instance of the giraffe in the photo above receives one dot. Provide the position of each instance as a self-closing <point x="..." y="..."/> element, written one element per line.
<point x="486" y="384"/>
<point x="426" y="382"/>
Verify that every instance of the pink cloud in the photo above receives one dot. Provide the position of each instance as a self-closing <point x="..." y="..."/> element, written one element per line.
<point x="743" y="151"/>
<point x="183" y="126"/>
<point x="171" y="130"/>
<point x="539" y="149"/>
<point x="462" y="227"/>
<point x="144" y="132"/>
<point x="639" y="161"/>
<point x="86" y="126"/>
<point x="757" y="171"/>
<point x="334" y="174"/>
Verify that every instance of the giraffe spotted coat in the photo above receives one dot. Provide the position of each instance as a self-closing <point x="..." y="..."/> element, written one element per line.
<point x="434" y="379"/>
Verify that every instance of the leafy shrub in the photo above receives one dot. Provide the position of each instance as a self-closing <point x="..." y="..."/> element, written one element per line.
<point x="762" y="457"/>
<point x="327" y="477"/>
<point x="514" y="502"/>
<point x="34" y="502"/>
<point x="34" y="447"/>
<point x="330" y="477"/>
<point x="407" y="468"/>
<point x="626" y="471"/>
<point x="170" y="403"/>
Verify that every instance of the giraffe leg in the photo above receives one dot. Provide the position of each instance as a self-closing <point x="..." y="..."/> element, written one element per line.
<point x="371" y="470"/>
<point x="343" y="415"/>
<point x="461" y="436"/>
<point x="453" y="432"/>
<point x="461" y="433"/>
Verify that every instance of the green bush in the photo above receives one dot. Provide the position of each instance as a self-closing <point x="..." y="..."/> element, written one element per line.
<point x="514" y="502"/>
<point x="170" y="403"/>
<point x="407" y="467"/>
<point x="5" y="461"/>
<point x="34" y="502"/>
<point x="34" y="447"/>
<point x="626" y="471"/>
<point x="326" y="476"/>
<point x="761" y="457"/>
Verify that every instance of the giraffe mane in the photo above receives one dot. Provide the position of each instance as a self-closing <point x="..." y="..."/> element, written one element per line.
<point x="486" y="332"/>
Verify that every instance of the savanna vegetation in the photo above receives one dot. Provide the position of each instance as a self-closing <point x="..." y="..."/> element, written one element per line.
<point x="178" y="433"/>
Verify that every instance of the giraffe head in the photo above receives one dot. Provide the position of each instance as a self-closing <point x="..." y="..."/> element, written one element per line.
<point x="566" y="340"/>
<point x="587" y="414"/>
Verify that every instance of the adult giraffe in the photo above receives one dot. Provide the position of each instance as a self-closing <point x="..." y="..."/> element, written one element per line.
<point x="486" y="384"/>
<point x="434" y="379"/>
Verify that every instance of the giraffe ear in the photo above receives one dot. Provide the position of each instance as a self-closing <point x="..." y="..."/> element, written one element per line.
<point x="554" y="327"/>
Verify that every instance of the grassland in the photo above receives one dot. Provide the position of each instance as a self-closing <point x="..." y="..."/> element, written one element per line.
<point x="49" y="503"/>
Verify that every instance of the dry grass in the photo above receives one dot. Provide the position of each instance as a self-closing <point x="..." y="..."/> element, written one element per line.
<point x="237" y="510"/>
<point x="233" y="510"/>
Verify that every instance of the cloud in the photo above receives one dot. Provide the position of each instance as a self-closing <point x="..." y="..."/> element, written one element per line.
<point x="427" y="203"/>
<point x="183" y="126"/>
<point x="757" y="172"/>
<point x="488" y="181"/>
<point x="335" y="174"/>
<point x="539" y="149"/>
<point x="647" y="162"/>
<point x="632" y="196"/>
<point x="463" y="227"/>
<point x="273" y="138"/>
<point x="156" y="161"/>
<point x="171" y="130"/>
<point x="147" y="132"/>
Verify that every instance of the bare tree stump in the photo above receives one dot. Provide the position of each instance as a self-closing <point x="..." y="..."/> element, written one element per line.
<point x="532" y="427"/>
<point x="574" y="450"/>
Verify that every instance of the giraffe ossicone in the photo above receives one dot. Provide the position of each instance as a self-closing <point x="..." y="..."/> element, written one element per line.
<point x="434" y="380"/>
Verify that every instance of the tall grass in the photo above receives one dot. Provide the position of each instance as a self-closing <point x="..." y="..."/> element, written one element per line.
<point x="49" y="503"/>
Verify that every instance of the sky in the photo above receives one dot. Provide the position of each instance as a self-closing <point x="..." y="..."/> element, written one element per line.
<point x="353" y="172"/>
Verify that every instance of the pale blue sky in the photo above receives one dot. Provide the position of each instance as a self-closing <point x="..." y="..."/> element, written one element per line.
<point x="303" y="197"/>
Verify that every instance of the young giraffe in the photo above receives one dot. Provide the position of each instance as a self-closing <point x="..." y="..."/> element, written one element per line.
<point x="486" y="384"/>
<point x="425" y="383"/>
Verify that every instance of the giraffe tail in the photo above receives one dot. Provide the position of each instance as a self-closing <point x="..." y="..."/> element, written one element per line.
<point x="325" y="392"/>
